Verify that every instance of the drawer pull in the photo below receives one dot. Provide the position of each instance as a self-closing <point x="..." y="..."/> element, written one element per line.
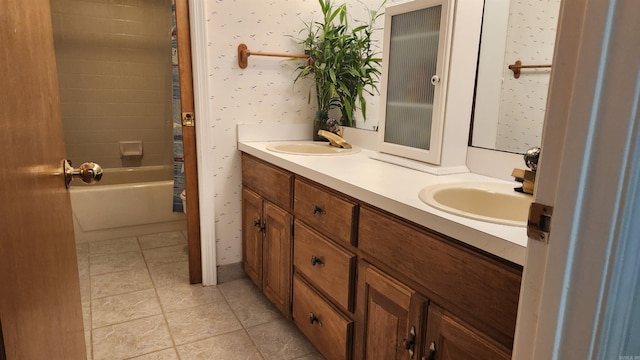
<point x="261" y="225"/>
<point x="316" y="261"/>
<point x="431" y="355"/>
<point x="318" y="210"/>
<point x="410" y="342"/>
<point x="314" y="319"/>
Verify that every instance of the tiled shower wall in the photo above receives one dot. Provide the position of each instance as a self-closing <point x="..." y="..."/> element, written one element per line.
<point x="263" y="93"/>
<point x="114" y="71"/>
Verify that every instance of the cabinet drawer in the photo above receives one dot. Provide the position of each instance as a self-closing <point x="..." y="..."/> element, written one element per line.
<point x="326" y="212"/>
<point x="267" y="180"/>
<point x="327" y="329"/>
<point x="483" y="289"/>
<point x="328" y="267"/>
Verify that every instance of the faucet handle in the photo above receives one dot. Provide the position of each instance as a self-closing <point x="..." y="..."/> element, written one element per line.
<point x="531" y="158"/>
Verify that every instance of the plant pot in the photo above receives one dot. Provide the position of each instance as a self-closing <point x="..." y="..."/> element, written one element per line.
<point x="320" y="123"/>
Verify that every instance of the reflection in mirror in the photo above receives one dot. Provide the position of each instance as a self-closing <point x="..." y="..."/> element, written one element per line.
<point x="509" y="112"/>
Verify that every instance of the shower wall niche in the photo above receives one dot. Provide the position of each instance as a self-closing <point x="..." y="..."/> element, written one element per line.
<point x="115" y="78"/>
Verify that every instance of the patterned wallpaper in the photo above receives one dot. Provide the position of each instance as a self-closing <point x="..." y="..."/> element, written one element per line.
<point x="262" y="93"/>
<point x="531" y="38"/>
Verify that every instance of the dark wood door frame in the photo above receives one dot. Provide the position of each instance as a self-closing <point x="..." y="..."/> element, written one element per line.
<point x="189" y="140"/>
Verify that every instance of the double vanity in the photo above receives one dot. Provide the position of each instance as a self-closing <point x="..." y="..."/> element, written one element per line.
<point x="374" y="260"/>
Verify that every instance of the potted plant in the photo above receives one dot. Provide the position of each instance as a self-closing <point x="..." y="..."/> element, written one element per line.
<point x="342" y="63"/>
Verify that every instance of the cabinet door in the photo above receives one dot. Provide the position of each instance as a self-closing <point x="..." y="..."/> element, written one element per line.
<point x="389" y="315"/>
<point x="252" y="235"/>
<point x="277" y="253"/>
<point x="416" y="47"/>
<point x="449" y="339"/>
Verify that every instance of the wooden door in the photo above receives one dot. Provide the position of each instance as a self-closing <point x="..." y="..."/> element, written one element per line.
<point x="189" y="140"/>
<point x="40" y="308"/>
<point x="389" y="316"/>
<point x="276" y="257"/>
<point x="252" y="235"/>
<point x="448" y="339"/>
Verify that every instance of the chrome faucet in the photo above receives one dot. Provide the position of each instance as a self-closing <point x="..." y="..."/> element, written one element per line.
<point x="527" y="177"/>
<point x="334" y="139"/>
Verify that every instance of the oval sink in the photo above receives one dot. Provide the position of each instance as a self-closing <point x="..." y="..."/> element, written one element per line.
<point x="310" y="148"/>
<point x="491" y="202"/>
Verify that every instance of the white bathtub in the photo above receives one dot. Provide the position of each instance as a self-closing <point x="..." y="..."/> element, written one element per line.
<point x="126" y="202"/>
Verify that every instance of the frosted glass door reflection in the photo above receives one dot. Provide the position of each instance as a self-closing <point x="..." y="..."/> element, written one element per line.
<point x="413" y="58"/>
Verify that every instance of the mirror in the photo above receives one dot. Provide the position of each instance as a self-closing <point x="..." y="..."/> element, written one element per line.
<point x="509" y="112"/>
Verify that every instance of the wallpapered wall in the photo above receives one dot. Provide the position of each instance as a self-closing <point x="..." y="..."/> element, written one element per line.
<point x="531" y="37"/>
<point x="262" y="93"/>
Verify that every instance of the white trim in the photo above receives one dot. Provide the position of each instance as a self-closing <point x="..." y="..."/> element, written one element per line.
<point x="565" y="294"/>
<point x="495" y="25"/>
<point x="204" y="143"/>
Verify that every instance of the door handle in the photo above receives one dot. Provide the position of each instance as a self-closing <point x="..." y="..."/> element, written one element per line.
<point x="89" y="173"/>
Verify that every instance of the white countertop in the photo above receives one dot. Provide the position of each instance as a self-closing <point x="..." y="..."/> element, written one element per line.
<point x="395" y="189"/>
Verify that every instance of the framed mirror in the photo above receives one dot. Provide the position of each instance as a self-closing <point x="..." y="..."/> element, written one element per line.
<point x="509" y="112"/>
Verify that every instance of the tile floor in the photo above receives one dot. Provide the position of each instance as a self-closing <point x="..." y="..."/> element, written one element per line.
<point x="138" y="304"/>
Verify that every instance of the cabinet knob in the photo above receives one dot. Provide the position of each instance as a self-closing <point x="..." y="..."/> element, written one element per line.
<point x="318" y="210"/>
<point x="435" y="79"/>
<point x="316" y="261"/>
<point x="261" y="225"/>
<point x="410" y="342"/>
<point x="431" y="354"/>
<point x="314" y="319"/>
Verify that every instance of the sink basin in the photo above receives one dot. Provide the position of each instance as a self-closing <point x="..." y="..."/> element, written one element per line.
<point x="310" y="148"/>
<point x="485" y="201"/>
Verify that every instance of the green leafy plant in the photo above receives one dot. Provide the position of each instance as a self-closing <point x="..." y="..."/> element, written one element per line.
<point x="342" y="61"/>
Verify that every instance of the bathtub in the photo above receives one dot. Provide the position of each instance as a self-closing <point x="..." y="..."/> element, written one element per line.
<point x="126" y="202"/>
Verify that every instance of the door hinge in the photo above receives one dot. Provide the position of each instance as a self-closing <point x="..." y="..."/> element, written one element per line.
<point x="539" y="222"/>
<point x="188" y="119"/>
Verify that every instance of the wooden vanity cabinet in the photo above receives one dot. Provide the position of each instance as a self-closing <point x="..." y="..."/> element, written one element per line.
<point x="362" y="283"/>
<point x="328" y="213"/>
<point x="267" y="230"/>
<point x="480" y="290"/>
<point x="389" y="316"/>
<point x="324" y="268"/>
<point x="449" y="339"/>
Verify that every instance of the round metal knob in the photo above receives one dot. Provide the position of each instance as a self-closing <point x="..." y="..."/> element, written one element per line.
<point x="89" y="173"/>
<point x="435" y="79"/>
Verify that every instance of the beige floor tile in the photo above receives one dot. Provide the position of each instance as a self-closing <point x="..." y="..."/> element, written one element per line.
<point x="108" y="263"/>
<point x="168" y="354"/>
<point x="314" y="356"/>
<point x="162" y="239"/>
<point x="248" y="303"/>
<point x="169" y="274"/>
<point x="87" y="342"/>
<point x="280" y="340"/>
<point x="166" y="254"/>
<point x="186" y="296"/>
<point x="201" y="322"/>
<point x="233" y="346"/>
<point x="85" y="278"/>
<point x="125" y="307"/>
<point x="133" y="338"/>
<point x="114" y="246"/>
<point x="121" y="282"/>
<point x="86" y="315"/>
<point x="82" y="248"/>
